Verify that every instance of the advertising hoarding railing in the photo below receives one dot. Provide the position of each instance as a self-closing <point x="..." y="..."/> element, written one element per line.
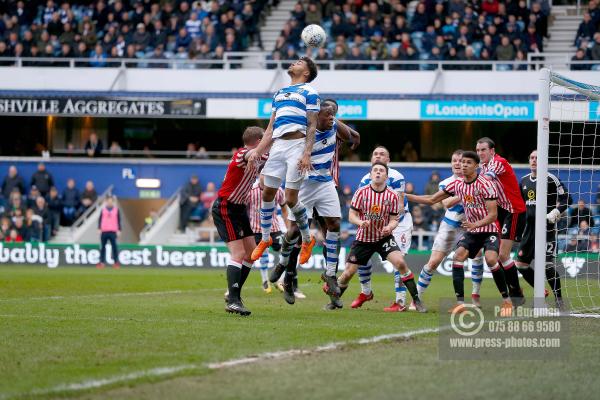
<point x="260" y="60"/>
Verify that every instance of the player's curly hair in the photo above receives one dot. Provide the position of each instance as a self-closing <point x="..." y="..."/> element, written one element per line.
<point x="312" y="68"/>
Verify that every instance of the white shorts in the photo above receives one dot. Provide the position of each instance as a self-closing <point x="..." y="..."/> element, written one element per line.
<point x="319" y="195"/>
<point x="446" y="238"/>
<point x="403" y="233"/>
<point x="282" y="164"/>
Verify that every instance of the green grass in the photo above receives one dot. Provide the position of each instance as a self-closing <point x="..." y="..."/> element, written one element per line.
<point x="68" y="325"/>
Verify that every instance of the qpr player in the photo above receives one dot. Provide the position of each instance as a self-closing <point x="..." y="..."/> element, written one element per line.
<point x="290" y="136"/>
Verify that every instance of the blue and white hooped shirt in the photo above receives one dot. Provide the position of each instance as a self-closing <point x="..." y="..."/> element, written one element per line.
<point x="291" y="105"/>
<point x="322" y="154"/>
<point x="456" y="214"/>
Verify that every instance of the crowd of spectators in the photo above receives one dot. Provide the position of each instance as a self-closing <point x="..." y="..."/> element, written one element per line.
<point x="34" y="212"/>
<point x="141" y="29"/>
<point x="587" y="39"/>
<point x="393" y="30"/>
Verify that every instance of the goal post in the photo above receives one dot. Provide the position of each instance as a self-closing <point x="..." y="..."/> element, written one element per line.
<point x="568" y="146"/>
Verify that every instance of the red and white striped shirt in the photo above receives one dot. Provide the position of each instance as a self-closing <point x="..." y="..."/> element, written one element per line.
<point x="473" y="196"/>
<point x="239" y="177"/>
<point x="507" y="185"/>
<point x="254" y="203"/>
<point x="376" y="207"/>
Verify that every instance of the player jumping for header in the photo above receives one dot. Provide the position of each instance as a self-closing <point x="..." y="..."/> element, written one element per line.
<point x="290" y="135"/>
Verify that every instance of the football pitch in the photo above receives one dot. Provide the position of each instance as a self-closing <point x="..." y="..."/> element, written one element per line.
<point x="139" y="333"/>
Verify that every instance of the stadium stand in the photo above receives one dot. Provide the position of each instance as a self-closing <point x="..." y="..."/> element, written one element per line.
<point x="399" y="30"/>
<point x="133" y="29"/>
<point x="587" y="38"/>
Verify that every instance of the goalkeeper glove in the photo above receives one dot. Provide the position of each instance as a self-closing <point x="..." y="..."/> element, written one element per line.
<point x="553" y="216"/>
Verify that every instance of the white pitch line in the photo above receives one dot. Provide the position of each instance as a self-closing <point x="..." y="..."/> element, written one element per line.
<point x="164" y="371"/>
<point x="323" y="348"/>
<point x="97" y="383"/>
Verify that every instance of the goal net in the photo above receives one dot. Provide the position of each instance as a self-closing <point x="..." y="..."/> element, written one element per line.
<point x="569" y="148"/>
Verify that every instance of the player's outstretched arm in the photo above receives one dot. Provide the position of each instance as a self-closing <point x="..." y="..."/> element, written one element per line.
<point x="264" y="145"/>
<point x="451" y="201"/>
<point x="348" y="135"/>
<point x="427" y="199"/>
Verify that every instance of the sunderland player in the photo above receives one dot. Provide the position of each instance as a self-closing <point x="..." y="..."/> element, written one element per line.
<point x="318" y="191"/>
<point x="231" y="217"/>
<point x="290" y="135"/>
<point x="402" y="234"/>
<point x="449" y="232"/>
<point x="254" y="201"/>
<point x="376" y="208"/>
<point x="511" y="208"/>
<point x="558" y="200"/>
<point x="479" y="198"/>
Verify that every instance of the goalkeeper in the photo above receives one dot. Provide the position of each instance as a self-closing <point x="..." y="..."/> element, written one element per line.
<point x="557" y="203"/>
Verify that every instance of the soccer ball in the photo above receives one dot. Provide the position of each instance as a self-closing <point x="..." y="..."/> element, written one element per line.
<point x="313" y="36"/>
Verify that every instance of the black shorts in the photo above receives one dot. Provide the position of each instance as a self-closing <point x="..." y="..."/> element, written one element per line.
<point x="474" y="242"/>
<point x="511" y="225"/>
<point x="276" y="236"/>
<point x="231" y="220"/>
<point x="526" y="251"/>
<point x="361" y="252"/>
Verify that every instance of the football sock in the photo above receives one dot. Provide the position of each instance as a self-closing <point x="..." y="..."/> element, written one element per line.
<point x="299" y="212"/>
<point x="293" y="260"/>
<point x="276" y="257"/>
<point x="364" y="276"/>
<point x="499" y="280"/>
<point x="264" y="266"/>
<point x="458" y="280"/>
<point x="399" y="288"/>
<point x="246" y="268"/>
<point x="286" y="249"/>
<point x="266" y="219"/>
<point x="476" y="274"/>
<point x="343" y="288"/>
<point x="234" y="276"/>
<point x="527" y="273"/>
<point x="512" y="277"/>
<point x="553" y="279"/>
<point x="331" y="258"/>
<point x="424" y="279"/>
<point x="409" y="283"/>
